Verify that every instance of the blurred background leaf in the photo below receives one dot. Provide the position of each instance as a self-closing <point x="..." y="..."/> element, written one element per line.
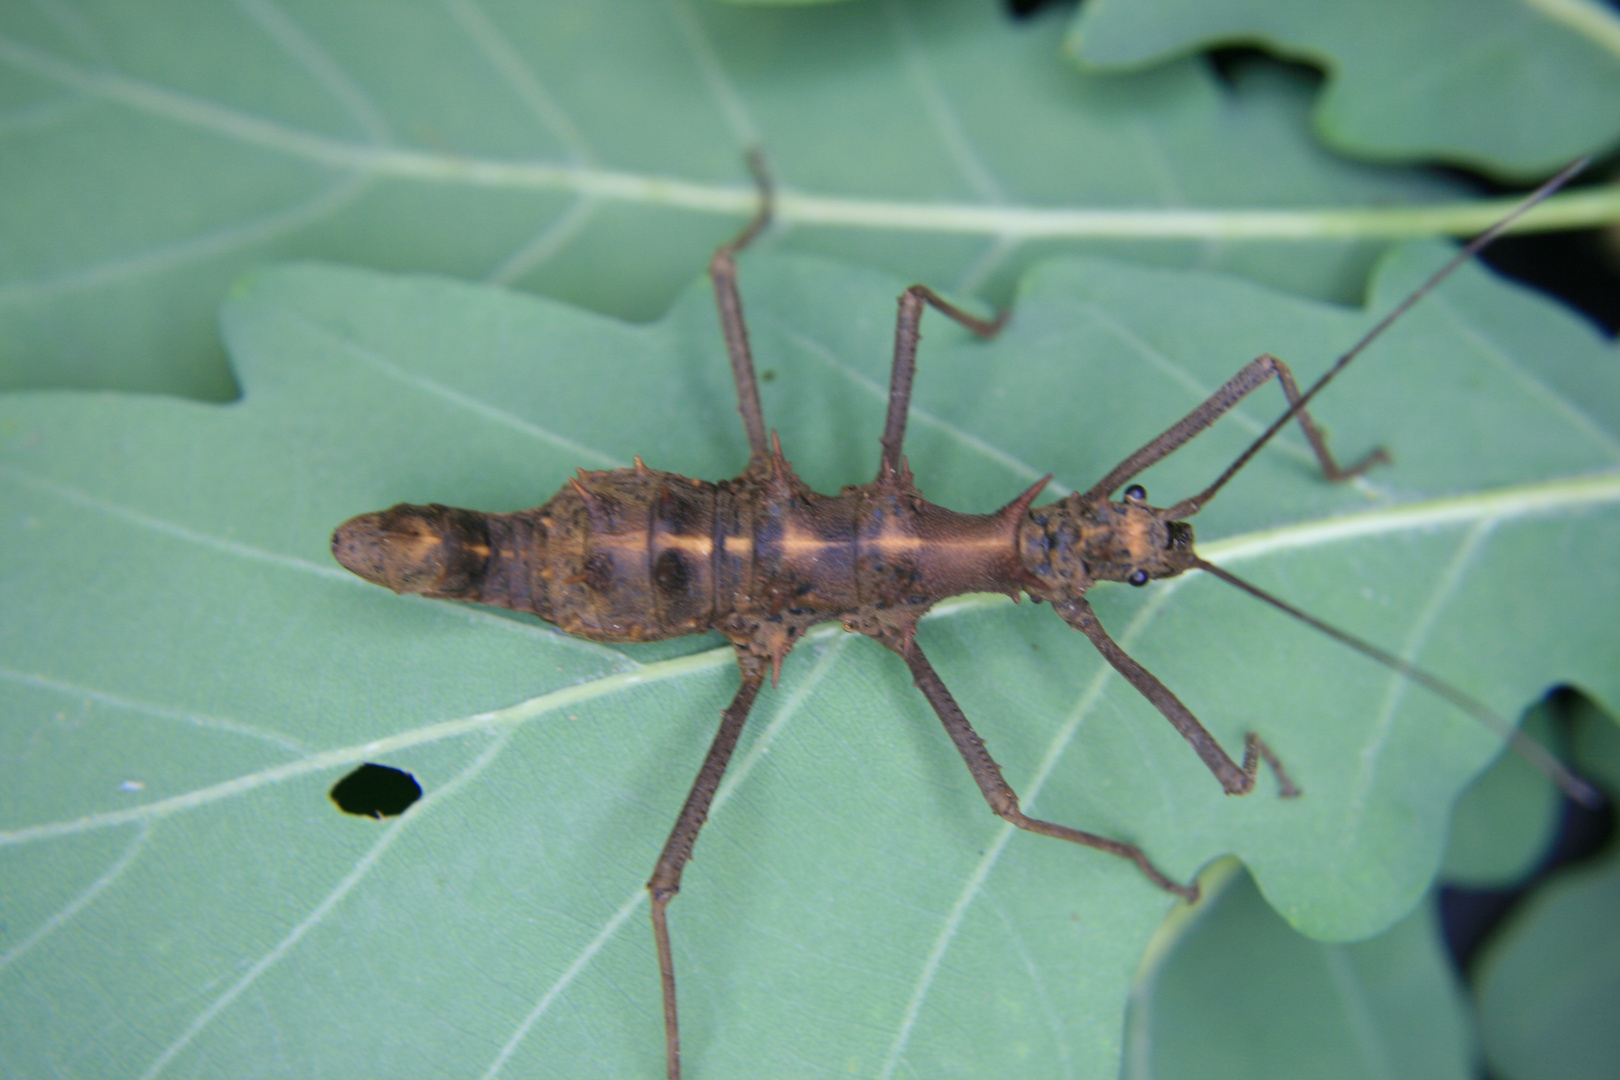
<point x="594" y="153"/>
<point x="1549" y="984"/>
<point x="1233" y="991"/>
<point x="1511" y="88"/>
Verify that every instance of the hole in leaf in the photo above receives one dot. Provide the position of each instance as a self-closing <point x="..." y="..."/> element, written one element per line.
<point x="376" y="791"/>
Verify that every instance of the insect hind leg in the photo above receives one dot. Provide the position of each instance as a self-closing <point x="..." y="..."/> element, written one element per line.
<point x="665" y="882"/>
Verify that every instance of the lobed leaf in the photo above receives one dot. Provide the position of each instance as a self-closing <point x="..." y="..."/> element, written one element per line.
<point x="594" y="153"/>
<point x="1549" y="986"/>
<point x="187" y="673"/>
<point x="1243" y="996"/>
<point x="1511" y="87"/>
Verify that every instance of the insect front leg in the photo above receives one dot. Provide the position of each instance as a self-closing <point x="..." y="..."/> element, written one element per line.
<point x="1255" y="374"/>
<point x="666" y="878"/>
<point x="998" y="793"/>
<point x="1235" y="779"/>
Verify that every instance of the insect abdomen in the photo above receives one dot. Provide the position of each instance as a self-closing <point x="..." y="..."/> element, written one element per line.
<point x="638" y="555"/>
<point x="447" y="553"/>
<point x="620" y="555"/>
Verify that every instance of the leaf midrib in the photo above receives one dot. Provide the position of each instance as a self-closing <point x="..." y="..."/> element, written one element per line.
<point x="1007" y="221"/>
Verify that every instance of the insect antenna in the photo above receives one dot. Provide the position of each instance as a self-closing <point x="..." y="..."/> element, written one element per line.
<point x="1526" y="747"/>
<point x="1188" y="507"/>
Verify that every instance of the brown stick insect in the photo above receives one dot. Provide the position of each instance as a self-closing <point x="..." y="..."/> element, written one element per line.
<point x="635" y="554"/>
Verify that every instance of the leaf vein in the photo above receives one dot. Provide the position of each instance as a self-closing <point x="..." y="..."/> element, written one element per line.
<point x="191" y="249"/>
<point x="319" y="912"/>
<point x="452" y="396"/>
<point x="86" y="896"/>
<point x="118" y="701"/>
<point x="520" y="77"/>
<point x="321" y="67"/>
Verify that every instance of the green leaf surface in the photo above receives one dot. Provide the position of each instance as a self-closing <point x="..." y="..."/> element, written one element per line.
<point x="780" y="3"/>
<point x="1549" y="987"/>
<point x="1515" y="87"/>
<point x="1504" y="822"/>
<point x="150" y="154"/>
<point x="1243" y="995"/>
<point x="1229" y="989"/>
<point x="187" y="673"/>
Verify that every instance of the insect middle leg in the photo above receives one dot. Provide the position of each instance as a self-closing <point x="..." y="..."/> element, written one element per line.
<point x="723" y="273"/>
<point x="997" y="792"/>
<point x="665" y="882"/>
<point x="906" y="336"/>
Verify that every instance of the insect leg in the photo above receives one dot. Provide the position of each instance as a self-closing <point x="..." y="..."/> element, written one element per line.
<point x="1255" y="374"/>
<point x="1297" y="401"/>
<point x="906" y="336"/>
<point x="723" y="272"/>
<point x="999" y="794"/>
<point x="1235" y="779"/>
<point x="666" y="878"/>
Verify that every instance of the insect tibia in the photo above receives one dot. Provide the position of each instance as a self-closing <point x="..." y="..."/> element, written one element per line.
<point x="1072" y="544"/>
<point x="434" y="550"/>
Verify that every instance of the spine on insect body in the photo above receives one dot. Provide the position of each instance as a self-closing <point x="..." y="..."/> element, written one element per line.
<point x="637" y="555"/>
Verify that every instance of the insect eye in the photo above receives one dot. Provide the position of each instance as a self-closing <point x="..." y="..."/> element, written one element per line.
<point x="1135" y="493"/>
<point x="1138" y="577"/>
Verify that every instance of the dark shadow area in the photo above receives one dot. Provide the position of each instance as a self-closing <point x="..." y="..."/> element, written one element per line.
<point x="376" y="791"/>
<point x="1470" y="916"/>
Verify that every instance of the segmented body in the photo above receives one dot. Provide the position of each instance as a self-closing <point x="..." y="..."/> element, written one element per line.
<point x="636" y="554"/>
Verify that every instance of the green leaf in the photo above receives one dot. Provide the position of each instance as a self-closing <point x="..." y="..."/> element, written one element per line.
<point x="780" y="3"/>
<point x="1505" y="821"/>
<point x="1512" y="87"/>
<point x="186" y="673"/>
<point x="1229" y="989"/>
<point x="1243" y="995"/>
<point x="1549" y="986"/>
<point x="594" y="153"/>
